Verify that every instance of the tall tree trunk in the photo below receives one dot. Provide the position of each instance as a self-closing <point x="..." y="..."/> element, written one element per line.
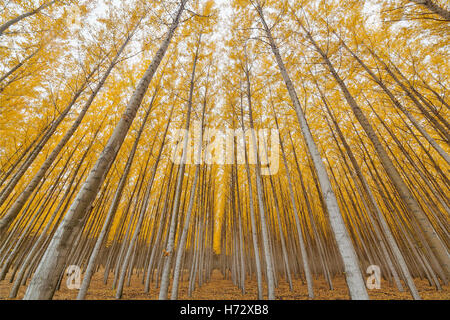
<point x="252" y="212"/>
<point x="373" y="206"/>
<point x="434" y="7"/>
<point x="416" y="124"/>
<point x="165" y="278"/>
<point x="5" y="193"/>
<point x="24" y="196"/>
<point x="432" y="237"/>
<point x="187" y="219"/>
<point x="31" y="255"/>
<point x="17" y="19"/>
<point x="111" y="212"/>
<point x="353" y="274"/>
<point x="51" y="266"/>
<point x="262" y="214"/>
<point x="18" y="66"/>
<point x="137" y="227"/>
<point x="306" y="267"/>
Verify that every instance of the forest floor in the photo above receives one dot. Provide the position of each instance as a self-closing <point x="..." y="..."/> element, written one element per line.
<point x="224" y="289"/>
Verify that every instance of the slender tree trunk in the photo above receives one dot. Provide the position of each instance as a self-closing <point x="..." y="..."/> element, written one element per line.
<point x="111" y="213"/>
<point x="305" y="261"/>
<point x="11" y="22"/>
<point x="374" y="207"/>
<point x="259" y="191"/>
<point x="434" y="7"/>
<point x="43" y="236"/>
<point x="432" y="237"/>
<point x="165" y="278"/>
<point x="18" y="66"/>
<point x="143" y="210"/>
<point x="52" y="264"/>
<point x="187" y="219"/>
<point x="353" y="274"/>
<point x="416" y="124"/>
<point x="24" y="196"/>
<point x="252" y="212"/>
<point x="22" y="155"/>
<point x="37" y="149"/>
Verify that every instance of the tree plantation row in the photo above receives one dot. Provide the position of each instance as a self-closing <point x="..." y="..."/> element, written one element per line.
<point x="98" y="96"/>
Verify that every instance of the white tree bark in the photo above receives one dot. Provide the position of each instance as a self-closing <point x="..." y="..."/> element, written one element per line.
<point x="353" y="274"/>
<point x="45" y="279"/>
<point x="137" y="228"/>
<point x="262" y="214"/>
<point x="18" y="204"/>
<point x="187" y="219"/>
<point x="252" y="212"/>
<point x="11" y="22"/>
<point x="435" y="8"/>
<point x="165" y="277"/>
<point x="436" y="245"/>
<point x="306" y="268"/>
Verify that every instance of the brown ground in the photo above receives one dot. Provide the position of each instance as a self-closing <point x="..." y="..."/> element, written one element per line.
<point x="221" y="289"/>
